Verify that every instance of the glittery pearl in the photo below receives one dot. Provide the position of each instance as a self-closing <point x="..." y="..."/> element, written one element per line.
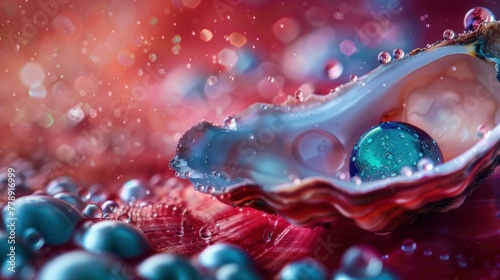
<point x="385" y="149"/>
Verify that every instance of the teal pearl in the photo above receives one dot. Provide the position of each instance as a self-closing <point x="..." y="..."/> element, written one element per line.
<point x="385" y="149"/>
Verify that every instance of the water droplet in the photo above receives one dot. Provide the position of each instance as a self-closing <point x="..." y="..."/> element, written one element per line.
<point x="299" y="95"/>
<point x="428" y="252"/>
<point x="476" y="16"/>
<point x="187" y="174"/>
<point x="449" y="34"/>
<point x="200" y="188"/>
<point x="92" y="211"/>
<point x="33" y="238"/>
<point x="230" y="122"/>
<point x="398" y="53"/>
<point x="425" y="164"/>
<point x="211" y="189"/>
<point x="152" y="57"/>
<point x="109" y="207"/>
<point x="334" y="69"/>
<point x="179" y="230"/>
<point x="267" y="235"/>
<point x="408" y="246"/>
<point x="483" y="131"/>
<point x="384" y="57"/>
<point x="205" y="233"/>
<point x="271" y="79"/>
<point x="353" y="77"/>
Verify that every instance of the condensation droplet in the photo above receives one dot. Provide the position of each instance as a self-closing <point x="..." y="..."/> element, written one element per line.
<point x="398" y="53"/>
<point x="205" y="233"/>
<point x="299" y="95"/>
<point x="92" y="211"/>
<point x="449" y="34"/>
<point x="384" y="57"/>
<point x="409" y="246"/>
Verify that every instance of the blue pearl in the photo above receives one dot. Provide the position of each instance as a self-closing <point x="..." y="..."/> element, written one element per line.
<point x="167" y="266"/>
<point x="385" y="149"/>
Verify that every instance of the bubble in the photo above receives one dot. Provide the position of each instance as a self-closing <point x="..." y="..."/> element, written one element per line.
<point x="210" y="189"/>
<point x="476" y="16"/>
<point x="398" y="53"/>
<point x="92" y="211"/>
<point x="356" y="180"/>
<point x="237" y="39"/>
<point x="425" y="164"/>
<point x="286" y="29"/>
<point x="125" y="58"/>
<point x="449" y="34"/>
<point x="33" y="239"/>
<point x="270" y="79"/>
<point x="319" y="150"/>
<point x="408" y="246"/>
<point x="176" y="39"/>
<point x="384" y="57"/>
<point x="205" y="233"/>
<point x="353" y="77"/>
<point x="230" y="123"/>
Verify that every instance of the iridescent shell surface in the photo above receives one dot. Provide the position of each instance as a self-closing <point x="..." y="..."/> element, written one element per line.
<point x="293" y="158"/>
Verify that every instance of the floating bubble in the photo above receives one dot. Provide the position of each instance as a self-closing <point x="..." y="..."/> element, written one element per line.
<point x="32" y="73"/>
<point x="206" y="35"/>
<point x="384" y="57"/>
<point x="75" y="114"/>
<point x="237" y="39"/>
<point x="476" y="16"/>
<point x="270" y="79"/>
<point x="353" y="77"/>
<point x="37" y="90"/>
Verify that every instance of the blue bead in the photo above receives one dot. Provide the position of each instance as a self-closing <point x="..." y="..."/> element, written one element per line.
<point x="115" y="237"/>
<point x="167" y="266"/>
<point x="218" y="255"/>
<point x="54" y="219"/>
<point x="303" y="270"/>
<point x="385" y="149"/>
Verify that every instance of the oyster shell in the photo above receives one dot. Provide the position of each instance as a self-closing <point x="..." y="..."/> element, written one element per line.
<point x="293" y="158"/>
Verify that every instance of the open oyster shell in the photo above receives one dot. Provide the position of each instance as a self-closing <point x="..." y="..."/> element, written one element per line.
<point x="293" y="158"/>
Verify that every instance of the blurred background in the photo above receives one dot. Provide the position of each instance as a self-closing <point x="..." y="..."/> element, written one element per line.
<point x="103" y="90"/>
